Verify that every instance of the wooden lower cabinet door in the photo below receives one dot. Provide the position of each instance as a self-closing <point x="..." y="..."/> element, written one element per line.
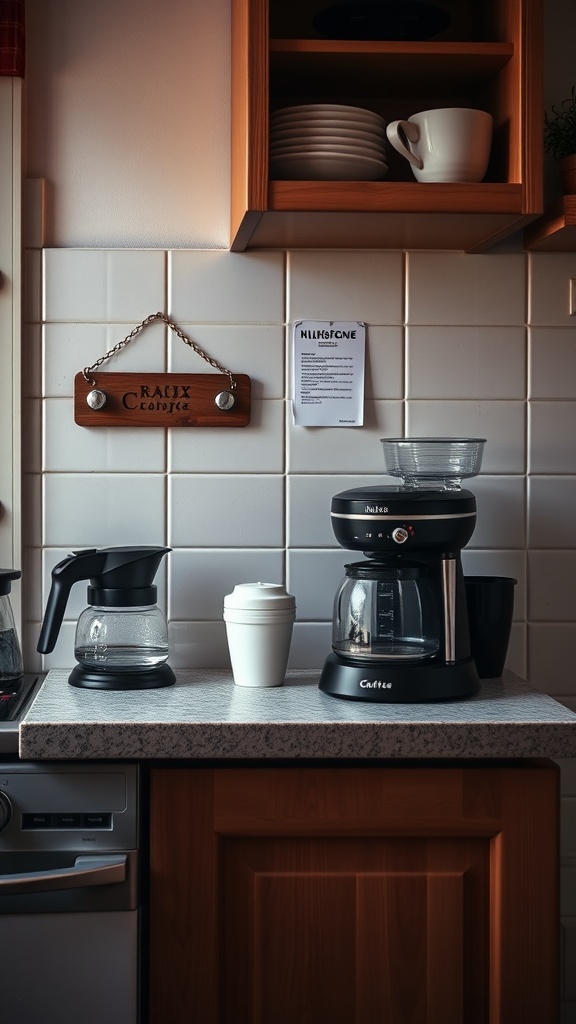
<point x="353" y="930"/>
<point x="388" y="895"/>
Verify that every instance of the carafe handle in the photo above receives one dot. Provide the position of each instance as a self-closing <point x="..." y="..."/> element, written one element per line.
<point x="82" y="565"/>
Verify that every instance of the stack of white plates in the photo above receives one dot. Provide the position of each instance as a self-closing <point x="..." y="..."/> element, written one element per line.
<point x="327" y="141"/>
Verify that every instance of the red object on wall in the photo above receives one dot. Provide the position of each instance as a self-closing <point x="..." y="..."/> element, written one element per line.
<point x="12" y="38"/>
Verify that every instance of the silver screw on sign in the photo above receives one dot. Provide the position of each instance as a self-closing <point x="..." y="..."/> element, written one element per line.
<point x="96" y="399"/>
<point x="224" y="400"/>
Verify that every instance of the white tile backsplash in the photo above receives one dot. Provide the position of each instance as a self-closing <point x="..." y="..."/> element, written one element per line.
<point x="551" y="434"/>
<point x="551" y="519"/>
<point x="471" y="362"/>
<point x="69" y="448"/>
<point x="198" y="645"/>
<point x="503" y="424"/>
<point x="102" y="510"/>
<point x="234" y="511"/>
<point x="345" y="449"/>
<point x="384" y="362"/>
<point x="551" y="590"/>
<point x="257" y="350"/>
<point x="216" y="286"/>
<point x="552" y="362"/>
<point x="552" y="656"/>
<point x="313" y="578"/>
<point x="549" y="293"/>
<point x="455" y="288"/>
<point x="311" y="643"/>
<point x="257" y="448"/>
<point x="103" y="284"/>
<point x="200" y="578"/>
<point x="516" y="659"/>
<point x="68" y="348"/>
<point x="365" y="286"/>
<point x="501" y="504"/>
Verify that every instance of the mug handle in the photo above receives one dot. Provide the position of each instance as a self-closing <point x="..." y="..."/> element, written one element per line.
<point x="395" y="132"/>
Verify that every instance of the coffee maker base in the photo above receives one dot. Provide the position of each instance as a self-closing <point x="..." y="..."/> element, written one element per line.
<point x="398" y="684"/>
<point x="145" y="679"/>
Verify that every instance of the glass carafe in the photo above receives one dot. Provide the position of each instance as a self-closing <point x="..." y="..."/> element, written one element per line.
<point x="121" y="639"/>
<point x="384" y="613"/>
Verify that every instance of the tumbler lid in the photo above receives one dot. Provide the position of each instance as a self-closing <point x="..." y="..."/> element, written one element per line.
<point x="259" y="595"/>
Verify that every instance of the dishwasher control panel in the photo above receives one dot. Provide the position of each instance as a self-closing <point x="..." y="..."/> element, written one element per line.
<point x="63" y="820"/>
<point x="72" y="806"/>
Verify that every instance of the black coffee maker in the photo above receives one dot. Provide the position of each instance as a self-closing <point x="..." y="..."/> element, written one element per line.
<point x="400" y="628"/>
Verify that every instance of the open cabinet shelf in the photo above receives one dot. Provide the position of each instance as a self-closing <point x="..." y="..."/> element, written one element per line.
<point x="496" y="67"/>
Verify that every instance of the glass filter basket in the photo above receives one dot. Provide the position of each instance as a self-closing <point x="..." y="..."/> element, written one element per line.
<point x="433" y="462"/>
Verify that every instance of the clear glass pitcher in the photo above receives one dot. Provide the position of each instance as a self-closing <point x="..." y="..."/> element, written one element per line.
<point x="121" y="639"/>
<point x="384" y="613"/>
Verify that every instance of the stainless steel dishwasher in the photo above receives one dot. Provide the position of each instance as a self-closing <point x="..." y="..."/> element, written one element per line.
<point x="70" y="915"/>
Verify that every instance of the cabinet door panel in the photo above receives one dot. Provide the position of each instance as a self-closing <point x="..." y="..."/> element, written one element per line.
<point x="411" y="928"/>
<point x="331" y="931"/>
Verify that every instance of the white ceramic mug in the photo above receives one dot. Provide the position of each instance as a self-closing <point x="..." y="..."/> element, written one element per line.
<point x="448" y="144"/>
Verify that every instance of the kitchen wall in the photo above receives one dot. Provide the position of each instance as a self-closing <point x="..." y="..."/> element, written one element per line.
<point x="127" y="160"/>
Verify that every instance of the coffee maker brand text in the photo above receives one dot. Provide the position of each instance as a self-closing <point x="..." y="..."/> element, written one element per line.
<point x="375" y="509"/>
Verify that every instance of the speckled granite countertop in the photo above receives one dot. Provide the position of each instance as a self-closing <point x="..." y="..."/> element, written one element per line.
<point x="206" y="716"/>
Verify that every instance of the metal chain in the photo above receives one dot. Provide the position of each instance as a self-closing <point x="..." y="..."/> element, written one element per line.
<point x="173" y="327"/>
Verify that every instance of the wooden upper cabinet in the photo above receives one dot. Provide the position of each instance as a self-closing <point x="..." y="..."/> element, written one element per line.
<point x="556" y="230"/>
<point x="490" y="57"/>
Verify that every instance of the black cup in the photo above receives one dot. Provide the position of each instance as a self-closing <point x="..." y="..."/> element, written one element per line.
<point x="490" y="601"/>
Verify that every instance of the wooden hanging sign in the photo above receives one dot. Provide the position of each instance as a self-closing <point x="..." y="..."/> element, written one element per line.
<point x="161" y="400"/>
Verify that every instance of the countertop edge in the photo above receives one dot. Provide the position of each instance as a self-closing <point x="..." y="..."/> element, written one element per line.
<point x="190" y="741"/>
<point x="206" y="717"/>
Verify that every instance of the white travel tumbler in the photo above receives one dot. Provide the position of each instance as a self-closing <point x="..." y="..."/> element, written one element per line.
<point x="259" y="619"/>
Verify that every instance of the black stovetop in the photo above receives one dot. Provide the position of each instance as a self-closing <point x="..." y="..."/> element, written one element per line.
<point x="15" y="698"/>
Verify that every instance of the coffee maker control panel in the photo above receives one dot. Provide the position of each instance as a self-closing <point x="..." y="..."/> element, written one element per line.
<point x="382" y="519"/>
<point x="400" y="535"/>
